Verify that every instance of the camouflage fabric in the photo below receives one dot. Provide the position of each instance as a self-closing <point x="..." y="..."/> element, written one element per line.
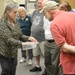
<point x="10" y="38"/>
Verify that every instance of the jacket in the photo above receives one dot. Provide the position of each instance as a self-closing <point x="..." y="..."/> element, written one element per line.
<point x="10" y="38"/>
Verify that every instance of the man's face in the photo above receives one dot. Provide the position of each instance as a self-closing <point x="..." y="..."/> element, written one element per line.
<point x="48" y="15"/>
<point x="39" y="5"/>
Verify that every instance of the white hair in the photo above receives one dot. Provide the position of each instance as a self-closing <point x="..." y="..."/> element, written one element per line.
<point x="21" y="8"/>
<point x="49" y="5"/>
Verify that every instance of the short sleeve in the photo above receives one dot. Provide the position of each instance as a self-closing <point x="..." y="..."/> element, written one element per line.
<point x="57" y="33"/>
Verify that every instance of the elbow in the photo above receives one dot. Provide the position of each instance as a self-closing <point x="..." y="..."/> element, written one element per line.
<point x="64" y="48"/>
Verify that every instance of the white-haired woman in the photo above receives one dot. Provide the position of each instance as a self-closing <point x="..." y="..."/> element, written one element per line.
<point x="10" y="35"/>
<point x="25" y="24"/>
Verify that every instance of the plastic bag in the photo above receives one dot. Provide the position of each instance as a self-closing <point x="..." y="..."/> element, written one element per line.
<point x="29" y="45"/>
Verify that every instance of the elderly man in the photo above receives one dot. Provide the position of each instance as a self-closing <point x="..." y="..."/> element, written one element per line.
<point x="65" y="6"/>
<point x="37" y="31"/>
<point x="51" y="51"/>
<point x="62" y="29"/>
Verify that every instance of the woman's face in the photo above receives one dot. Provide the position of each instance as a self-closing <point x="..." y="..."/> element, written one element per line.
<point x="22" y="13"/>
<point x="12" y="14"/>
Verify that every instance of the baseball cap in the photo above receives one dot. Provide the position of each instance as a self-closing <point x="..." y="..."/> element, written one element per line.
<point x="49" y="5"/>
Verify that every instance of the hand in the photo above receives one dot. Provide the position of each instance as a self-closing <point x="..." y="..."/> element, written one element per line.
<point x="23" y="43"/>
<point x="32" y="39"/>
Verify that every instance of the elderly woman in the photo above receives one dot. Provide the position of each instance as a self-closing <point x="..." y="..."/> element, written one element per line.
<point x="25" y="24"/>
<point x="10" y="35"/>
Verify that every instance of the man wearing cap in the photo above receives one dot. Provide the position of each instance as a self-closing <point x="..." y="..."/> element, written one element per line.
<point x="62" y="29"/>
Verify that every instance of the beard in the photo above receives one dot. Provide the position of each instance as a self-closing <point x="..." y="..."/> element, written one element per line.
<point x="50" y="19"/>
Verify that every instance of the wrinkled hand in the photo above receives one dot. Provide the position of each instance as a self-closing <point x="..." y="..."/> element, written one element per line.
<point x="32" y="39"/>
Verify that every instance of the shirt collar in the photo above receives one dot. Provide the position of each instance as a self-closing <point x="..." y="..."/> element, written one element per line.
<point x="23" y="19"/>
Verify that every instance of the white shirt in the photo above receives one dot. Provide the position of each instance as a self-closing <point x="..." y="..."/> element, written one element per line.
<point x="46" y="27"/>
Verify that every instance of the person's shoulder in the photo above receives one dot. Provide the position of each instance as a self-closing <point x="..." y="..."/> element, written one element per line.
<point x="28" y="16"/>
<point x="2" y="21"/>
<point x="19" y="19"/>
<point x="35" y="11"/>
<point x="2" y="25"/>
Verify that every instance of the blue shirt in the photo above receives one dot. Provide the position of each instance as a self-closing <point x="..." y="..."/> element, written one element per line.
<point x="25" y="25"/>
<point x="71" y="11"/>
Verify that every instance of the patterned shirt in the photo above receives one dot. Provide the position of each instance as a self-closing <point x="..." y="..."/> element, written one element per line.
<point x="10" y="38"/>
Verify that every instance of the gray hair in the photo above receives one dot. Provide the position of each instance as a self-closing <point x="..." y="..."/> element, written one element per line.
<point x="9" y="8"/>
<point x="21" y="8"/>
<point x="50" y="5"/>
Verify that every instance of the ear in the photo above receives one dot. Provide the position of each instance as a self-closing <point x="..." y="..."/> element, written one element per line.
<point x="50" y="11"/>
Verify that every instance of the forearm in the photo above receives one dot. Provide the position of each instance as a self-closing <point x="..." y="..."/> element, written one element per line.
<point x="68" y="48"/>
<point x="14" y="42"/>
<point x="24" y="37"/>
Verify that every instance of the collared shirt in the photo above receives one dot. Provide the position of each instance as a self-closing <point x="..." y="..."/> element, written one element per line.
<point x="48" y="35"/>
<point x="25" y="25"/>
<point x="63" y="30"/>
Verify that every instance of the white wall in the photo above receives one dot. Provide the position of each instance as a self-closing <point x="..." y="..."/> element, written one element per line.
<point x="29" y="6"/>
<point x="20" y="1"/>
